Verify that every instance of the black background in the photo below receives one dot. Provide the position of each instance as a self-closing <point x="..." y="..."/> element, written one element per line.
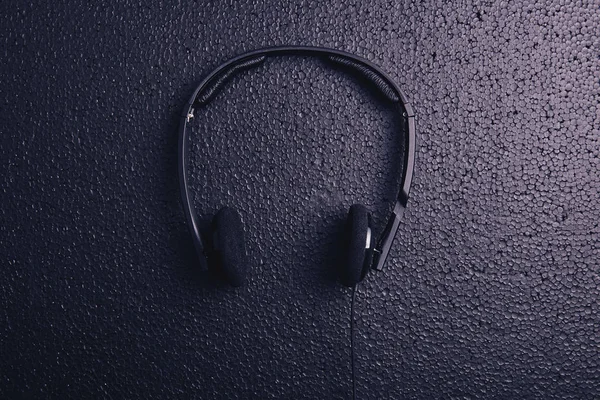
<point x="492" y="289"/>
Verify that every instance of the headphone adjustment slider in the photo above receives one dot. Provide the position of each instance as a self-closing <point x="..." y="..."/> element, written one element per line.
<point x="190" y="115"/>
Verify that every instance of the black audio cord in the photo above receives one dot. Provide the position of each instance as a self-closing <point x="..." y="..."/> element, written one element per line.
<point x="352" y="343"/>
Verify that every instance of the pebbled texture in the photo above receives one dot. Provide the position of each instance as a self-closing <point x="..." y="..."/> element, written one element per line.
<point x="493" y="287"/>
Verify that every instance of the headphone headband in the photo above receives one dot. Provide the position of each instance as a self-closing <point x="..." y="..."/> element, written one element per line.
<point x="210" y="86"/>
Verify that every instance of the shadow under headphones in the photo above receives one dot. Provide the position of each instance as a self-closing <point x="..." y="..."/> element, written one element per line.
<point x="227" y="255"/>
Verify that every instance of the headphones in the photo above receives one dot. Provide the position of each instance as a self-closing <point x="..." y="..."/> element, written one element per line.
<point x="225" y="253"/>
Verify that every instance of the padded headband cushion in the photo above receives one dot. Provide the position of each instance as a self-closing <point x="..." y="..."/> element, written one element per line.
<point x="357" y="225"/>
<point x="229" y="244"/>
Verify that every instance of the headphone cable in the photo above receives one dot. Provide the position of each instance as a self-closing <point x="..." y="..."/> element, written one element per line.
<point x="352" y="343"/>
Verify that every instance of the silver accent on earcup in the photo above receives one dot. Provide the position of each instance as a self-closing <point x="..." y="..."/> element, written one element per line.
<point x="368" y="242"/>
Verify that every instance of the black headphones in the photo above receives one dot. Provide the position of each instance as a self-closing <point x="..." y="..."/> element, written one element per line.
<point x="228" y="254"/>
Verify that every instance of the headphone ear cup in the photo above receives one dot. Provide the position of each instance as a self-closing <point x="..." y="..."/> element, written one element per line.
<point x="229" y="246"/>
<point x="358" y="252"/>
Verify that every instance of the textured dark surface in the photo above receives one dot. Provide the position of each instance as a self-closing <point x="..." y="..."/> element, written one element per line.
<point x="493" y="288"/>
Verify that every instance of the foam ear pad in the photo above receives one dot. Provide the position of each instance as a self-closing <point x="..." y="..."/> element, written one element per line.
<point x="357" y="261"/>
<point x="229" y="246"/>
